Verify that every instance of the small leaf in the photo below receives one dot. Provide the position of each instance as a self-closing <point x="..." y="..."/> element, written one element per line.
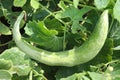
<point x="101" y="4"/>
<point x="5" y="75"/>
<point x="19" y="3"/>
<point x="116" y="10"/>
<point x="4" y="29"/>
<point x="75" y="3"/>
<point x="62" y="5"/>
<point x="35" y="4"/>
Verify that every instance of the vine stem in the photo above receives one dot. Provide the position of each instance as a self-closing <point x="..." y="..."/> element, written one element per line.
<point x="5" y="43"/>
<point x="51" y="13"/>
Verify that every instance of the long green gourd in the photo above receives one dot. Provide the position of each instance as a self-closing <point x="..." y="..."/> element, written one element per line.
<point x="69" y="58"/>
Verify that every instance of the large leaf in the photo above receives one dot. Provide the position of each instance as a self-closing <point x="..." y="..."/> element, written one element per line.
<point x="116" y="10"/>
<point x="46" y="38"/>
<point x="75" y="15"/>
<point x="5" y="64"/>
<point x="101" y="4"/>
<point x="5" y="75"/>
<point x="21" y="63"/>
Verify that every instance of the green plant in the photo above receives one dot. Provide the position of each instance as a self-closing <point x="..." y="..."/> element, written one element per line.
<point x="55" y="27"/>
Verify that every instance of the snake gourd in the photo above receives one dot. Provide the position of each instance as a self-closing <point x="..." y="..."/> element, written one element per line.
<point x="79" y="55"/>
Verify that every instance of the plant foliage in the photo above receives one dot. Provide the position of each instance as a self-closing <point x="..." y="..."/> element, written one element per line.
<point x="57" y="25"/>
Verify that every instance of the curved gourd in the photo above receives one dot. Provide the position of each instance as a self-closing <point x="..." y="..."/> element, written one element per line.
<point x="69" y="58"/>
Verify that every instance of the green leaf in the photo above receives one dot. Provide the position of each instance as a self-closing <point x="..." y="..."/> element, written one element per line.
<point x="7" y="6"/>
<point x="4" y="29"/>
<point x="74" y="77"/>
<point x="16" y="77"/>
<point x="39" y="15"/>
<point x="5" y="75"/>
<point x="62" y="5"/>
<point x="19" y="3"/>
<point x="34" y="4"/>
<point x="12" y="18"/>
<point x="4" y="12"/>
<point x="101" y="4"/>
<point x="44" y="37"/>
<point x="85" y="78"/>
<point x="115" y="74"/>
<point x="75" y="15"/>
<point x="57" y="25"/>
<point x="75" y="3"/>
<point x="22" y="70"/>
<point x="97" y="76"/>
<point x="21" y="64"/>
<point x="115" y="31"/>
<point x="116" y="10"/>
<point x="115" y="34"/>
<point x="69" y="72"/>
<point x="116" y="48"/>
<point x="5" y="64"/>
